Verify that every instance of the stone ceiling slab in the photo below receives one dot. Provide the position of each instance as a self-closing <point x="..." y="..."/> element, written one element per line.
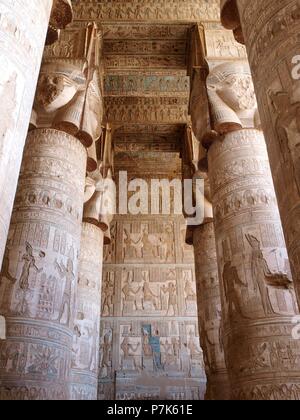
<point x="145" y="60"/>
<point x="139" y="31"/>
<point x="148" y="138"/>
<point x="120" y="63"/>
<point x="153" y="10"/>
<point x="145" y="47"/>
<point x="154" y="110"/>
<point x="148" y="164"/>
<point x="145" y="85"/>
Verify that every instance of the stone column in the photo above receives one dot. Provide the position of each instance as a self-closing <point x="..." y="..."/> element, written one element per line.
<point x="39" y="274"/>
<point x="87" y="324"/>
<point x="257" y="293"/>
<point x="23" y="28"/>
<point x="270" y="30"/>
<point x="97" y="215"/>
<point x="209" y="308"/>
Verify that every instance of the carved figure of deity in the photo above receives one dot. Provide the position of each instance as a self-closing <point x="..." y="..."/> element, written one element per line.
<point x="108" y="295"/>
<point x="133" y="246"/>
<point x="106" y="348"/>
<point x="29" y="264"/>
<point x="149" y="296"/>
<point x="66" y="272"/>
<point x="172" y="300"/>
<point x="232" y="282"/>
<point x="263" y="277"/>
<point x="131" y="294"/>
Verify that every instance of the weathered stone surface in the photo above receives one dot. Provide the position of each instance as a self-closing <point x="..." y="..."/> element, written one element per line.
<point x="149" y="329"/>
<point x="155" y="10"/>
<point x="139" y="83"/>
<point x="23" y="29"/>
<point x="270" y="31"/>
<point x="258" y="298"/>
<point x="156" y="353"/>
<point x="39" y="275"/>
<point x="22" y="42"/>
<point x="257" y="293"/>
<point x="85" y="358"/>
<point x="210" y="312"/>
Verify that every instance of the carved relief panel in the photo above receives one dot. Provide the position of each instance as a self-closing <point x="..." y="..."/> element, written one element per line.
<point x="165" y="356"/>
<point x="149" y="242"/>
<point x="150" y="332"/>
<point x="22" y="41"/>
<point x="156" y="10"/>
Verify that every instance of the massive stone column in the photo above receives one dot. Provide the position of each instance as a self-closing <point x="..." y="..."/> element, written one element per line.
<point x="209" y="308"/>
<point x="23" y="28"/>
<point x="97" y="215"/>
<point x="38" y="283"/>
<point x="87" y="323"/>
<point x="86" y="339"/>
<point x="270" y="30"/>
<point x="202" y="237"/>
<point x="39" y="273"/>
<point x="257" y="293"/>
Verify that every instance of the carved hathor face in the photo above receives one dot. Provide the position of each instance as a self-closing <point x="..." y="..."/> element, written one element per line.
<point x="238" y="91"/>
<point x="233" y="84"/>
<point x="232" y="97"/>
<point x="54" y="91"/>
<point x="50" y="86"/>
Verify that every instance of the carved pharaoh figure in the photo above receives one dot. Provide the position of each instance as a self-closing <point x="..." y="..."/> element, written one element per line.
<point x="108" y="293"/>
<point x="106" y="347"/>
<point x="131" y="293"/>
<point x="66" y="272"/>
<point x="149" y="296"/>
<point x="171" y="290"/>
